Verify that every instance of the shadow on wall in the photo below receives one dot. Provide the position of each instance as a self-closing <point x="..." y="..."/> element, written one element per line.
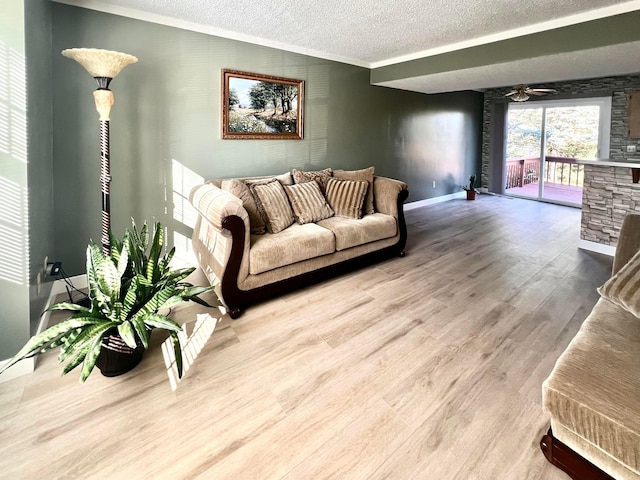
<point x="434" y="147"/>
<point x="180" y="211"/>
<point x="13" y="153"/>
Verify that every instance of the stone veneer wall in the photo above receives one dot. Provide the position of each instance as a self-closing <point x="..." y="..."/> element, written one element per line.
<point x="609" y="194"/>
<point x="609" y="191"/>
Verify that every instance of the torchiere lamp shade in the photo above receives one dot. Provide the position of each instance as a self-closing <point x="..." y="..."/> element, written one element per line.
<point x="100" y="63"/>
<point x="103" y="65"/>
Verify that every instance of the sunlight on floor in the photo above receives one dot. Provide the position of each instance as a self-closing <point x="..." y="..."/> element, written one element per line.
<point x="191" y="345"/>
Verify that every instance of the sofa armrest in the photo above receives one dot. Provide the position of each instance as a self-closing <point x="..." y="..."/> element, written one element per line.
<point x="221" y="238"/>
<point x="629" y="241"/>
<point x="386" y="193"/>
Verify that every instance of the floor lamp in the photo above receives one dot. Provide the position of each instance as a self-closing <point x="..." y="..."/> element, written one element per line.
<point x="103" y="65"/>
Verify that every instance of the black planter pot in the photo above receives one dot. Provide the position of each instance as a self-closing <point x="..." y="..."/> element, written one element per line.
<point x="116" y="357"/>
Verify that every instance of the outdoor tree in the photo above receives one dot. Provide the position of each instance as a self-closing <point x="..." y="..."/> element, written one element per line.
<point x="259" y="96"/>
<point x="233" y="98"/>
<point x="570" y="132"/>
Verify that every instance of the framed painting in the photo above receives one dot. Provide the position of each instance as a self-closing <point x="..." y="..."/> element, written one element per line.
<point x="258" y="106"/>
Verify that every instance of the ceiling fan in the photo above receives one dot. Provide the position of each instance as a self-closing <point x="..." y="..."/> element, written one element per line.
<point x="521" y="93"/>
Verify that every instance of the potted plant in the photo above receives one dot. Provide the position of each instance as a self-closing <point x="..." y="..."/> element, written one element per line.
<point x="470" y="189"/>
<point x="127" y="290"/>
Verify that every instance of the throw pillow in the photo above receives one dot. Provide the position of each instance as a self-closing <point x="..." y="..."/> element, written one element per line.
<point x="623" y="288"/>
<point x="241" y="190"/>
<point x="308" y="203"/>
<point x="320" y="176"/>
<point x="364" y="175"/>
<point x="346" y="197"/>
<point x="273" y="205"/>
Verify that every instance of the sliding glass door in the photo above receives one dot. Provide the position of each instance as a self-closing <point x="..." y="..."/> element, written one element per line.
<point x="544" y="140"/>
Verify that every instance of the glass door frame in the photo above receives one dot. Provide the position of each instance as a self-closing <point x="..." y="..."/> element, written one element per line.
<point x="604" y="132"/>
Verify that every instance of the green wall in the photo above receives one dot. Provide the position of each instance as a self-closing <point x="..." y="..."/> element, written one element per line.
<point x="165" y="126"/>
<point x="40" y="151"/>
<point x="26" y="186"/>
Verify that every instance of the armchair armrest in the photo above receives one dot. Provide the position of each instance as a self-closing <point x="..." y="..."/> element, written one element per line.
<point x="221" y="238"/>
<point x="629" y="241"/>
<point x="389" y="195"/>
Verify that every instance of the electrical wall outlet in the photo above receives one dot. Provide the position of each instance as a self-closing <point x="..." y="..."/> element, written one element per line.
<point x="631" y="149"/>
<point x="53" y="269"/>
<point x="434" y="184"/>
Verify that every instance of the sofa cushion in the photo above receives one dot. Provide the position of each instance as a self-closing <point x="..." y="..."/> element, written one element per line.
<point x="346" y="197"/>
<point x="292" y="245"/>
<point x="594" y="389"/>
<point x="273" y="205"/>
<point x="307" y="202"/>
<point x="623" y="288"/>
<point x="364" y="175"/>
<point x="350" y="232"/>
<point x="320" y="176"/>
<point x="241" y="190"/>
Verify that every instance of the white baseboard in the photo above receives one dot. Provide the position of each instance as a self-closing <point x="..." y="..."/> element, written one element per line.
<point x="597" y="247"/>
<point x="434" y="200"/>
<point x="28" y="365"/>
<point x="21" y="368"/>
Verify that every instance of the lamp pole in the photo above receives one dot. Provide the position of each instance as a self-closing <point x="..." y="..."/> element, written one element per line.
<point x="104" y="100"/>
<point x="103" y="65"/>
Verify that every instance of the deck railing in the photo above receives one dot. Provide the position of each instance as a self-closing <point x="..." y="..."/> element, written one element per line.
<point x="558" y="170"/>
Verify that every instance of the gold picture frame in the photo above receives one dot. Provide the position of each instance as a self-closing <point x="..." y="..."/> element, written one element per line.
<point x="256" y="106"/>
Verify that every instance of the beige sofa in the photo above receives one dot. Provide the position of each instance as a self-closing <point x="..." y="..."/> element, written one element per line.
<point x="593" y="392"/>
<point x="247" y="268"/>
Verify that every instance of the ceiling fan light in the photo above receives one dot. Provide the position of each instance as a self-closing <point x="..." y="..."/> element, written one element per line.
<point x="520" y="97"/>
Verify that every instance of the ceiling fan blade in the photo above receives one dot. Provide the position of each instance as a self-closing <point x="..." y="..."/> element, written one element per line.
<point x="513" y="92"/>
<point x="536" y="92"/>
<point x="546" y="90"/>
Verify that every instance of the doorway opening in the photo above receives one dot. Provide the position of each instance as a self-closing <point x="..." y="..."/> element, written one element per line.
<point x="545" y="139"/>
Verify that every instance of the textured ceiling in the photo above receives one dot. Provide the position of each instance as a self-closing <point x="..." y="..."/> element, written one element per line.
<point x="368" y="33"/>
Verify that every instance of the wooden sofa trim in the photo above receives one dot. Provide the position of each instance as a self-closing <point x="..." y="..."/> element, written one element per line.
<point x="570" y="462"/>
<point x="237" y="300"/>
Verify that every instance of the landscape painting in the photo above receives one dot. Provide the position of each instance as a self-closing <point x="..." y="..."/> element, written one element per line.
<point x="258" y="106"/>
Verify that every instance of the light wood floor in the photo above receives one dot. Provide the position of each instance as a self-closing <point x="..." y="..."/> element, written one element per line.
<point x="423" y="367"/>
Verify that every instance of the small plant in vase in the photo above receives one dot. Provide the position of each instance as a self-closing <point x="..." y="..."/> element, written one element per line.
<point x="127" y="291"/>
<point x="470" y="189"/>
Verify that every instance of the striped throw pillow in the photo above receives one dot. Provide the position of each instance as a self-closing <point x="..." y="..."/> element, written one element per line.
<point x="241" y="190"/>
<point x="273" y="205"/>
<point x="320" y="176"/>
<point x="623" y="288"/>
<point x="346" y="197"/>
<point x="307" y="202"/>
<point x="364" y="175"/>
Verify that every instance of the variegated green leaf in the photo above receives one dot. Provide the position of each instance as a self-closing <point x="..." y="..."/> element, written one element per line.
<point x="41" y="341"/>
<point x="72" y="307"/>
<point x="160" y="321"/>
<point x="83" y="344"/>
<point x="158" y="299"/>
<point x="171" y="302"/>
<point x="128" y="335"/>
<point x="177" y="275"/>
<point x="123" y="259"/>
<point x="164" y="263"/>
<point x="177" y="350"/>
<point x="95" y="274"/>
<point x="91" y="357"/>
<point x="106" y="274"/>
<point x="141" y="330"/>
<point x="152" y="273"/>
<point x="130" y="297"/>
